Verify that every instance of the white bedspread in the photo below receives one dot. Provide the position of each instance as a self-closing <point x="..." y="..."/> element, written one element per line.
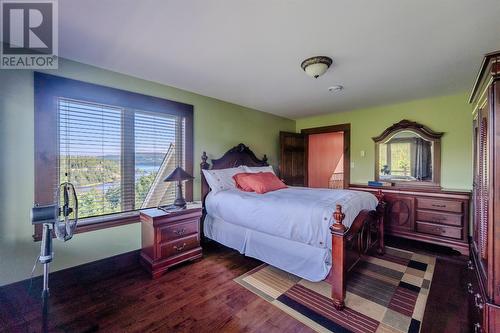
<point x="297" y="213"/>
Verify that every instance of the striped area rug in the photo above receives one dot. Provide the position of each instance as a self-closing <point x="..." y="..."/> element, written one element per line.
<point x="385" y="294"/>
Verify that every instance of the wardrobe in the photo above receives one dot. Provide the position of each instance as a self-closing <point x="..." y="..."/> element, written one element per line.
<point x="484" y="268"/>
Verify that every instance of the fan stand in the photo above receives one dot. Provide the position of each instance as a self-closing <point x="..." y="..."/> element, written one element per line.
<point x="46" y="256"/>
<point x="48" y="216"/>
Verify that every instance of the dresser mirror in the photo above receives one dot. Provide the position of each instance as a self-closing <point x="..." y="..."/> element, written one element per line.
<point x="407" y="154"/>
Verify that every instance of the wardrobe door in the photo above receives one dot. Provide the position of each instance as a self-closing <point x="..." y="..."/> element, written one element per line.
<point x="481" y="189"/>
<point x="476" y="184"/>
<point x="493" y="226"/>
<point x="293" y="158"/>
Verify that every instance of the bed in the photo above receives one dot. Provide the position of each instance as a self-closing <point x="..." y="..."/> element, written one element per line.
<point x="317" y="234"/>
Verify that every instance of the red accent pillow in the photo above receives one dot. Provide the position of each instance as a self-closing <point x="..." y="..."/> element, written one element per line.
<point x="263" y="182"/>
<point x="241" y="184"/>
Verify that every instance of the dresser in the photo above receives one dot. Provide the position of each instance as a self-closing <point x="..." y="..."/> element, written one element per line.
<point x="484" y="278"/>
<point x="429" y="215"/>
<point x="169" y="238"/>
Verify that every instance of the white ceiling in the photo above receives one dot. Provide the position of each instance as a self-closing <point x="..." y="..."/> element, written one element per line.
<point x="249" y="52"/>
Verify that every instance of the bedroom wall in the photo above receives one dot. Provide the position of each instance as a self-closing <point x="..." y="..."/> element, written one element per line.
<point x="218" y="127"/>
<point x="449" y="114"/>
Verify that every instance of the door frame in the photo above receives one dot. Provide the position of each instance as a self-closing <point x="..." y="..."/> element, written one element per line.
<point x="346" y="129"/>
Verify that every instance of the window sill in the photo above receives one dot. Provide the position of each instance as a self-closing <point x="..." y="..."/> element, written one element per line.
<point x="97" y="223"/>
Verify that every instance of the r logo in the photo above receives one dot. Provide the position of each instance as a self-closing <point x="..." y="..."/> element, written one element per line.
<point x="27" y="27"/>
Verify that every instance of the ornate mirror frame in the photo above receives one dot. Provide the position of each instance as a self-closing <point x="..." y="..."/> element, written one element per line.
<point x="424" y="132"/>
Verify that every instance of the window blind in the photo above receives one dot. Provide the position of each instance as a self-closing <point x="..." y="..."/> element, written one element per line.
<point x="116" y="157"/>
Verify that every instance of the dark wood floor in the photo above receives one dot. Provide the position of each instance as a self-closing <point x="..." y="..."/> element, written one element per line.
<point x="119" y="296"/>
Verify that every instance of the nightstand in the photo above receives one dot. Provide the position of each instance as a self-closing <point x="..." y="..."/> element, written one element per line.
<point x="169" y="238"/>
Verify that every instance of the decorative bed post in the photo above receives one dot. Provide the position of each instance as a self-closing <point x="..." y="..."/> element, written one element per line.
<point x="380" y="219"/>
<point x="204" y="185"/>
<point x="338" y="258"/>
<point x="359" y="234"/>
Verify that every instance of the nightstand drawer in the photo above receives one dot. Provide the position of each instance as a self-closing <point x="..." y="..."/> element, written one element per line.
<point x="442" y="205"/>
<point x="178" y="230"/>
<point x="439" y="230"/>
<point x="169" y="238"/>
<point x="438" y="217"/>
<point x="179" y="246"/>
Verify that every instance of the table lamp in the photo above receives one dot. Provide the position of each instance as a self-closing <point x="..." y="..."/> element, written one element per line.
<point x="179" y="175"/>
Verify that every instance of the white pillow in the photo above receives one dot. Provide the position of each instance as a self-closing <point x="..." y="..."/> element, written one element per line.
<point x="222" y="179"/>
<point x="268" y="168"/>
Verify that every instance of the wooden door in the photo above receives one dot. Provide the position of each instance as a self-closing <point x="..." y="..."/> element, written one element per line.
<point x="293" y="158"/>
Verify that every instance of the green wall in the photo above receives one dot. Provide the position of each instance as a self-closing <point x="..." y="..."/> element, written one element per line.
<point x="449" y="114"/>
<point x="218" y="126"/>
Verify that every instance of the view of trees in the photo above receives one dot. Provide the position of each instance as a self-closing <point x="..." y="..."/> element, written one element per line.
<point x="97" y="182"/>
<point x="142" y="186"/>
<point x="91" y="170"/>
<point x="400" y="159"/>
<point x="399" y="163"/>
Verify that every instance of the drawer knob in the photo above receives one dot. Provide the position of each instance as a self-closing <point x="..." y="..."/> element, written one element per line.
<point x="180" y="232"/>
<point x="180" y="248"/>
<point x="440" y="230"/>
<point x="477" y="328"/>
<point x="469" y="288"/>
<point x="478" y="301"/>
<point x="438" y="206"/>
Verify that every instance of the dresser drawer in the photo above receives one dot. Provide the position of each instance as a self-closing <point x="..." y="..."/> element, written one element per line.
<point x="439" y="204"/>
<point x="440" y="218"/>
<point x="439" y="230"/>
<point x="178" y="230"/>
<point x="179" y="246"/>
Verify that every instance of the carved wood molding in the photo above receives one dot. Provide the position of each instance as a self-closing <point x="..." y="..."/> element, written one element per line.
<point x="405" y="124"/>
<point x="490" y="68"/>
<point x="238" y="155"/>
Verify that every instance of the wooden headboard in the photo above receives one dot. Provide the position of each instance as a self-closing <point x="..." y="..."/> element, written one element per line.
<point x="234" y="157"/>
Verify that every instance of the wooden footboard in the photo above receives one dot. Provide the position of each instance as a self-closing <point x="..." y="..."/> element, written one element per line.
<point x="349" y="244"/>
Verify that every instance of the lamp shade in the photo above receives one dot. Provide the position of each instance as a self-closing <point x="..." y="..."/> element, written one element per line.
<point x="178" y="175"/>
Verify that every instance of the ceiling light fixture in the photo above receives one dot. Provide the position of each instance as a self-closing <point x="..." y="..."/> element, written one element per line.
<point x="316" y="66"/>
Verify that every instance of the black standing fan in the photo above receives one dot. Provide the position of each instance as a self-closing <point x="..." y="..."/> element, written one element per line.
<point x="61" y="218"/>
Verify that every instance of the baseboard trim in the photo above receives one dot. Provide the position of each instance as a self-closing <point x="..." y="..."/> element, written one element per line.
<point x="103" y="267"/>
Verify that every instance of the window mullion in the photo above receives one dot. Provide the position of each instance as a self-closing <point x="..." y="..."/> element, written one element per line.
<point x="179" y="144"/>
<point x="128" y="161"/>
